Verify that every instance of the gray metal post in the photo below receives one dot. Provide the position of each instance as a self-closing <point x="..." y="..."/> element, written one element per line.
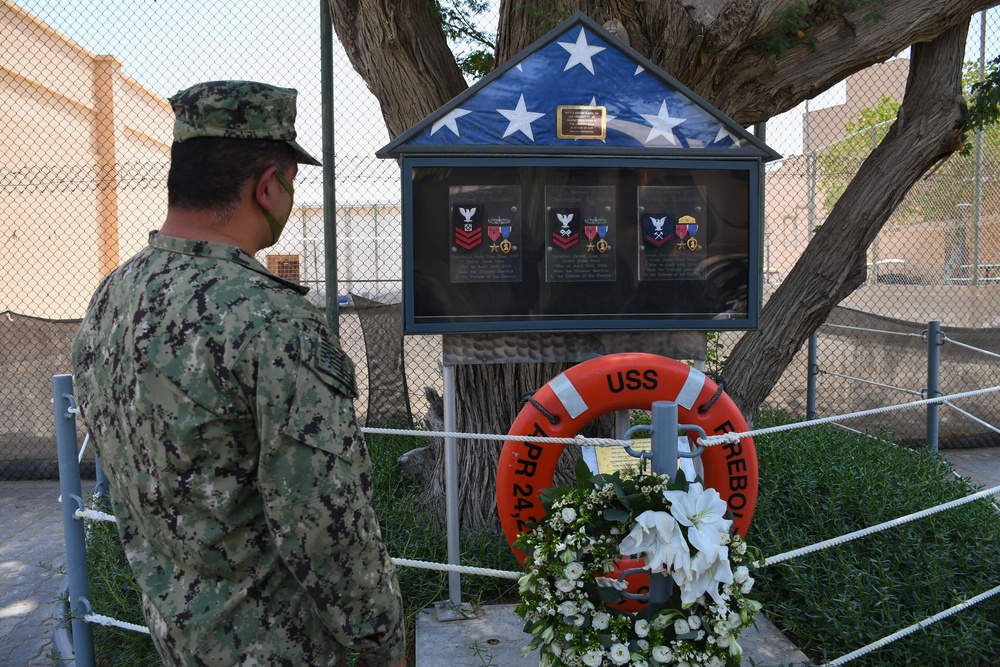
<point x="933" y="381"/>
<point x="329" y="169"/>
<point x="664" y="448"/>
<point x="451" y="487"/>
<point x="73" y="529"/>
<point x="813" y="371"/>
<point x="101" y="487"/>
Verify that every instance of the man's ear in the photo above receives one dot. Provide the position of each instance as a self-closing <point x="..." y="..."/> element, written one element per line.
<point x="264" y="190"/>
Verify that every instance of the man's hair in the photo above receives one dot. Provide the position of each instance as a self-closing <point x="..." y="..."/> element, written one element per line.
<point x="210" y="173"/>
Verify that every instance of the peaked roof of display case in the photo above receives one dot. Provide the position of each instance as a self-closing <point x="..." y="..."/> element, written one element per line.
<point x="579" y="91"/>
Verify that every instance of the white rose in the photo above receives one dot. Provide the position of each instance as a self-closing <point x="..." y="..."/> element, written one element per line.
<point x="641" y="627"/>
<point x="747" y="586"/>
<point x="573" y="571"/>
<point x="662" y="654"/>
<point x="722" y="641"/>
<point x="619" y="654"/>
<point x="642" y="644"/>
<point x="593" y="658"/>
<point x="601" y="620"/>
<point x="735" y="620"/>
<point x="565" y="585"/>
<point x="568" y="608"/>
<point x="694" y="621"/>
<point x="568" y="514"/>
<point x="681" y="627"/>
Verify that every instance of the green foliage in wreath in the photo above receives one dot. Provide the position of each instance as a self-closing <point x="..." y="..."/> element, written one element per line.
<point x="680" y="529"/>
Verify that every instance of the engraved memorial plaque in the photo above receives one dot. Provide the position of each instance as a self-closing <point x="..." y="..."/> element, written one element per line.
<point x="580" y="226"/>
<point x="671" y="230"/>
<point x="485" y="233"/>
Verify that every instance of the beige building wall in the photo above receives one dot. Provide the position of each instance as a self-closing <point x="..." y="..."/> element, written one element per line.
<point x="82" y="143"/>
<point x="864" y="89"/>
<point x="788" y="223"/>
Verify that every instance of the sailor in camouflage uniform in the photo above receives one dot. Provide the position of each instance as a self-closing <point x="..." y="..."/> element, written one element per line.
<point x="221" y="407"/>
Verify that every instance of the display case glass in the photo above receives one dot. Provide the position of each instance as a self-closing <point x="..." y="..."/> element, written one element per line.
<point x="560" y="243"/>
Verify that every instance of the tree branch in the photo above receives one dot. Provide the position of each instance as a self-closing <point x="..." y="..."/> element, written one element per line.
<point x="399" y="49"/>
<point x="928" y="129"/>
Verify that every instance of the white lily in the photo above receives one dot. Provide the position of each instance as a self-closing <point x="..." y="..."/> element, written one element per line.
<point x="705" y="577"/>
<point x="658" y="537"/>
<point x="702" y="511"/>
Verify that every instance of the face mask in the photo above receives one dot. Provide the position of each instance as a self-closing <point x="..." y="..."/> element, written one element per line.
<point x="278" y="227"/>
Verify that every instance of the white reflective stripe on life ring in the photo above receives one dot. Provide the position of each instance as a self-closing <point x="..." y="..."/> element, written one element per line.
<point x="692" y="387"/>
<point x="569" y="396"/>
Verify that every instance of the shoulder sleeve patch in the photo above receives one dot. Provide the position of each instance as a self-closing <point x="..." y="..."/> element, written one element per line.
<point x="333" y="364"/>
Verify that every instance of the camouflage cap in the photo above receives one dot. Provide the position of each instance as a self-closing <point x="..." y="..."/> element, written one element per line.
<point x="237" y="110"/>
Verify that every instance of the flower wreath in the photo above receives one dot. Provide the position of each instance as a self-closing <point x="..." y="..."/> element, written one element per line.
<point x="680" y="528"/>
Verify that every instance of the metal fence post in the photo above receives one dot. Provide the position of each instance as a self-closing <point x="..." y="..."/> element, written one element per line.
<point x="664" y="447"/>
<point x="451" y="487"/>
<point x="813" y="371"/>
<point x="73" y="529"/>
<point x="933" y="381"/>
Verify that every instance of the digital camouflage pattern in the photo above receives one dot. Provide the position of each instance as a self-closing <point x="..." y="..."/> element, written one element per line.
<point x="237" y="110"/>
<point x="220" y="404"/>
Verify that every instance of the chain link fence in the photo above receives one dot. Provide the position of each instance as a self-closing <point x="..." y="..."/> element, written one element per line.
<point x="87" y="132"/>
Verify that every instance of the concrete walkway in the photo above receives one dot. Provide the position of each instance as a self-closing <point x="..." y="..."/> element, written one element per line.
<point x="32" y="551"/>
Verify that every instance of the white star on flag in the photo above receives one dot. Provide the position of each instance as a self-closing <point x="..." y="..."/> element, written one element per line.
<point x="723" y="133"/>
<point x="580" y="52"/>
<point x="607" y="117"/>
<point x="449" y="121"/>
<point x="662" y="124"/>
<point x="520" y="119"/>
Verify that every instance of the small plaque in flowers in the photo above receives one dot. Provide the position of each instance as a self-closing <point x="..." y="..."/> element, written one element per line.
<point x="678" y="528"/>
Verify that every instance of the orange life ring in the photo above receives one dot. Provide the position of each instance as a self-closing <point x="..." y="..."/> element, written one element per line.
<point x="622" y="382"/>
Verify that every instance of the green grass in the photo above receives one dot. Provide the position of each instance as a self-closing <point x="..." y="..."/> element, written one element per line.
<point x="820" y="483"/>
<point x="815" y="485"/>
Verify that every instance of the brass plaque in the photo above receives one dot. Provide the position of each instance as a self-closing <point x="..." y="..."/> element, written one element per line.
<point x="581" y="122"/>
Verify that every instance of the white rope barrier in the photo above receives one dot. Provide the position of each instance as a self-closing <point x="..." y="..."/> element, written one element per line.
<point x="826" y="544"/>
<point x="877" y="384"/>
<point x="576" y="440"/>
<point x="879" y="331"/>
<point x="95" y="515"/>
<point x="930" y="620"/>
<point x="115" y="623"/>
<point x="970" y="347"/>
<point x="462" y="569"/>
<point x="707" y="441"/>
<point x="972" y="417"/>
<point x="736" y="437"/>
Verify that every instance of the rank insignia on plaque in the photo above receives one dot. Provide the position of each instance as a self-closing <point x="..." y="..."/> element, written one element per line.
<point x="565" y="227"/>
<point x="655" y="231"/>
<point x="468" y="226"/>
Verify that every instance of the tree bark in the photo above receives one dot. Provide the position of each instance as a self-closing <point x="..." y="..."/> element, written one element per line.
<point x="488" y="396"/>
<point x="399" y="49"/>
<point x="929" y="128"/>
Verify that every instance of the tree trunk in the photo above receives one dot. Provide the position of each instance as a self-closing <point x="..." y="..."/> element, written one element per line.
<point x="929" y="128"/>
<point x="488" y="396"/>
